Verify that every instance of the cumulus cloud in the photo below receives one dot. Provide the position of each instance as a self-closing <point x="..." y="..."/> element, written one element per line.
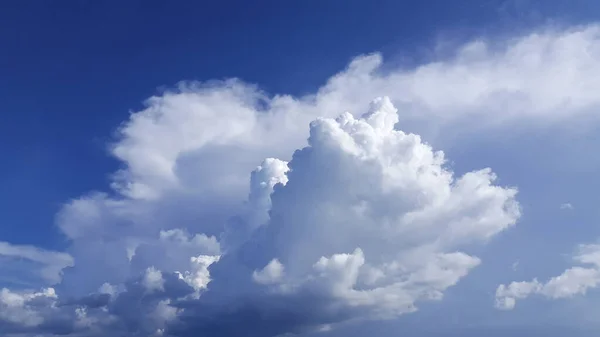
<point x="34" y="312"/>
<point x="18" y="308"/>
<point x="349" y="218"/>
<point x="140" y="307"/>
<point x="572" y="282"/>
<point x="153" y="280"/>
<point x="368" y="223"/>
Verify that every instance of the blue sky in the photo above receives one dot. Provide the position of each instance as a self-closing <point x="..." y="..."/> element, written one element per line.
<point x="107" y="194"/>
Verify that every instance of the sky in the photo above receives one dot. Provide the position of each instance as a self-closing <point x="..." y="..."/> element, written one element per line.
<point x="332" y="168"/>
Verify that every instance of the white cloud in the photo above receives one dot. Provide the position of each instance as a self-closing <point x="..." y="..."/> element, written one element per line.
<point x="369" y="222"/>
<point x="19" y="308"/>
<point x="47" y="265"/>
<point x="198" y="277"/>
<point x="566" y="205"/>
<point x="153" y="280"/>
<point x="366" y="219"/>
<point x="549" y="75"/>
<point x="271" y="273"/>
<point x="573" y="281"/>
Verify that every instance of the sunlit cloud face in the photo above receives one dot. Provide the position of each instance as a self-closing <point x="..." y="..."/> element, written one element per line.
<point x="242" y="213"/>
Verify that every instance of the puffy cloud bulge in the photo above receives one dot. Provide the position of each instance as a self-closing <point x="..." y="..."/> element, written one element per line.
<point x="240" y="212"/>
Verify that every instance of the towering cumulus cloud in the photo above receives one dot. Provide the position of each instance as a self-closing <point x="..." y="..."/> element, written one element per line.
<point x="239" y="213"/>
<point x="363" y="223"/>
<point x="367" y="223"/>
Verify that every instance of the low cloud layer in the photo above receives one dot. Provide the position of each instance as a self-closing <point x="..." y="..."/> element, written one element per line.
<point x="349" y="218"/>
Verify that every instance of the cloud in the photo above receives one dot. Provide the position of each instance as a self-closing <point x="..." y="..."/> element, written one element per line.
<point x="17" y="307"/>
<point x="549" y="75"/>
<point x="567" y="206"/>
<point x="573" y="281"/>
<point x="31" y="312"/>
<point x="360" y="221"/>
<point x="187" y="155"/>
<point x="368" y="223"/>
<point x="46" y="266"/>
<point x="140" y="307"/>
